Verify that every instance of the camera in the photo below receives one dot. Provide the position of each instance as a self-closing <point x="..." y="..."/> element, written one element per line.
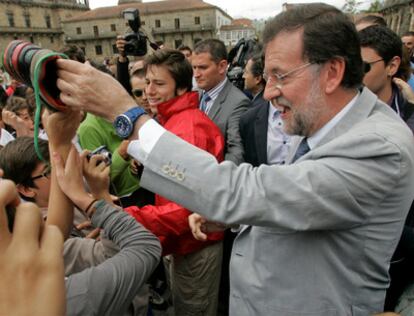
<point x="34" y="65"/>
<point x="103" y="151"/>
<point x="136" y="42"/>
<point x="235" y="76"/>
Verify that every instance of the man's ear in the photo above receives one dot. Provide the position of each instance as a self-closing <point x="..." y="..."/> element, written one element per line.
<point x="393" y="65"/>
<point x="26" y="191"/>
<point x="222" y="66"/>
<point x="334" y="73"/>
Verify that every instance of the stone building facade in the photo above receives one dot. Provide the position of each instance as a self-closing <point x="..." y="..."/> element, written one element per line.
<point x="37" y="21"/>
<point x="240" y="28"/>
<point x="174" y="22"/>
<point x="399" y="15"/>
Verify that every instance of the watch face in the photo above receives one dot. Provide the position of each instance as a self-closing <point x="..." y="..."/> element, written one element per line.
<point x="123" y="126"/>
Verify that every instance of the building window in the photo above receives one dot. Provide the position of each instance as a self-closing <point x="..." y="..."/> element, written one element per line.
<point x="78" y="30"/>
<point x="157" y="23"/>
<point x="98" y="50"/>
<point x="113" y="27"/>
<point x="10" y="17"/>
<point x="114" y="49"/>
<point x="31" y="39"/>
<point x="178" y="43"/>
<point x="27" y="20"/>
<point x="177" y="23"/>
<point x="142" y="23"/>
<point x="197" y="20"/>
<point x="196" y="40"/>
<point x="52" y="40"/>
<point x="48" y="23"/>
<point x="228" y="35"/>
<point x="95" y="30"/>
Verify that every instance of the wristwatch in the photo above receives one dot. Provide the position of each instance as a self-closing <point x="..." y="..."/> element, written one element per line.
<point x="124" y="123"/>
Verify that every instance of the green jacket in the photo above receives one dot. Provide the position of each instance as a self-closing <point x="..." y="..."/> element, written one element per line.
<point x="95" y="132"/>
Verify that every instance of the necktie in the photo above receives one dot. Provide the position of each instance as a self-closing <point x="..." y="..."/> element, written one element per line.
<point x="204" y="100"/>
<point x="302" y="149"/>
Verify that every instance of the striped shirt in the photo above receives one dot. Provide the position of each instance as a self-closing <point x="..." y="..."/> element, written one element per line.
<point x="213" y="93"/>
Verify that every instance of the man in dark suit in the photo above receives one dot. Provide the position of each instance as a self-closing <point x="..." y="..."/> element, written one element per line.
<point x="253" y="80"/>
<point x="220" y="100"/>
<point x="261" y="127"/>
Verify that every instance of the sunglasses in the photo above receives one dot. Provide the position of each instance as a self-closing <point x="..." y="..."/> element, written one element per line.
<point x="45" y="174"/>
<point x="368" y="65"/>
<point x="137" y="92"/>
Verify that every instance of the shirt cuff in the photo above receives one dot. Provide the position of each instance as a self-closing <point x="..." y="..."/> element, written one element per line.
<point x="148" y="136"/>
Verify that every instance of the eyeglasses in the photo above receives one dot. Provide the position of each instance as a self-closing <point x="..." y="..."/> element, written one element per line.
<point x="279" y="78"/>
<point x="137" y="92"/>
<point x="368" y="65"/>
<point x="45" y="173"/>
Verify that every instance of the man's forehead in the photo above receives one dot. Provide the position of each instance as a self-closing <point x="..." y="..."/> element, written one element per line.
<point x="285" y="46"/>
<point x="203" y="57"/>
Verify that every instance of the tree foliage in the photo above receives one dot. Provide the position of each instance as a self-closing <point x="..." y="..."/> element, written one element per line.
<point x="351" y="6"/>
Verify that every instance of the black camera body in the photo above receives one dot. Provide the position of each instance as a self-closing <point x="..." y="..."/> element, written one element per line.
<point x="136" y="42"/>
<point x="235" y="75"/>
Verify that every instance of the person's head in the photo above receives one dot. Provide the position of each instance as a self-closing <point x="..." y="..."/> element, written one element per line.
<point x="20" y="163"/>
<point x="209" y="61"/>
<point x="186" y="50"/>
<point x="313" y="65"/>
<point x="138" y="85"/>
<point x="22" y="109"/>
<point x="408" y="41"/>
<point x="74" y="52"/>
<point x="168" y="74"/>
<point x="382" y="52"/>
<point x="253" y="74"/>
<point x="369" y="20"/>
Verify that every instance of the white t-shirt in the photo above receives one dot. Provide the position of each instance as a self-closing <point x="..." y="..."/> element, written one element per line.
<point x="5" y="137"/>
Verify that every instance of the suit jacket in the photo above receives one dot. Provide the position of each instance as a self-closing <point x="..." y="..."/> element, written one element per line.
<point x="259" y="101"/>
<point x="253" y="131"/>
<point x="225" y="112"/>
<point x="319" y="233"/>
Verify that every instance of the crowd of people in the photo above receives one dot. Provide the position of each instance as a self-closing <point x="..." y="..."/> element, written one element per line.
<point x="165" y="189"/>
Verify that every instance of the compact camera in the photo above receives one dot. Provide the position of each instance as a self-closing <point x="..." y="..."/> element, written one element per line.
<point x="103" y="151"/>
<point x="33" y="65"/>
<point x="136" y="42"/>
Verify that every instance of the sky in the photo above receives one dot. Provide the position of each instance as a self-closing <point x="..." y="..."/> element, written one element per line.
<point x="241" y="8"/>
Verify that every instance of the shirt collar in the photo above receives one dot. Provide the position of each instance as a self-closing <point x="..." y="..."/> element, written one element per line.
<point x="322" y="132"/>
<point x="214" y="92"/>
<point x="273" y="112"/>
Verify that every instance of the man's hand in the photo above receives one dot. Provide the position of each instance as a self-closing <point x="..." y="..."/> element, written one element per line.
<point x="86" y="88"/>
<point x="31" y="261"/>
<point x="96" y="173"/>
<point x="120" y="45"/>
<point x="10" y="118"/>
<point x="69" y="177"/>
<point x="61" y="127"/>
<point x="200" y="226"/>
<point x="405" y="88"/>
<point x="122" y="149"/>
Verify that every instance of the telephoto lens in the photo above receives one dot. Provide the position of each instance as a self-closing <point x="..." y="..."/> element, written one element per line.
<point x="36" y="67"/>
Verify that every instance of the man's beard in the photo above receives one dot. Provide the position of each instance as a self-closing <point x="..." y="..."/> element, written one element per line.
<point x="305" y="116"/>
